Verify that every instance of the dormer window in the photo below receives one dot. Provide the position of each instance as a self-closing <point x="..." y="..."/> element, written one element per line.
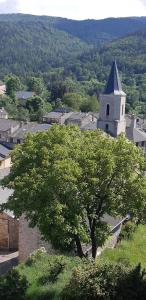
<point x="107" y="110"/>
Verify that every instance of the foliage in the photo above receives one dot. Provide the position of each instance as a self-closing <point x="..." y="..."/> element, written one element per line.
<point x="73" y="100"/>
<point x="92" y="281"/>
<point x="127" y="230"/>
<point x="55" y="270"/>
<point x="35" y="105"/>
<point x="38" y="275"/>
<point x="35" y="256"/>
<point x="13" y="286"/>
<point x="12" y="85"/>
<point x="130" y="251"/>
<point x="75" y="176"/>
<point x="37" y="85"/>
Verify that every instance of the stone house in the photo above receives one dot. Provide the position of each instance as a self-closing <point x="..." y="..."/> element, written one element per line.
<point x="56" y="117"/>
<point x="9" y="225"/>
<point x="79" y="118"/>
<point x="9" y="232"/>
<point x="7" y="128"/>
<point x="2" y="89"/>
<point x="19" y="135"/>
<point x="3" y="113"/>
<point x="5" y="157"/>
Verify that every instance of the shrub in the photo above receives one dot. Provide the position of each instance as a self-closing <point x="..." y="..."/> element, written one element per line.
<point x="13" y="286"/>
<point x="106" y="282"/>
<point x="35" y="256"/>
<point x="55" y="269"/>
<point x="127" y="230"/>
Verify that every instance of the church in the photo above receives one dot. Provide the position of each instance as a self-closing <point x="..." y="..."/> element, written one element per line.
<point x="112" y="118"/>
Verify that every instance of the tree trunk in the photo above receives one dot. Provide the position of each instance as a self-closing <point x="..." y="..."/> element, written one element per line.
<point x="93" y="239"/>
<point x="79" y="247"/>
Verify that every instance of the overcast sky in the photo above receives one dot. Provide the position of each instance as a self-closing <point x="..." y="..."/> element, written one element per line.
<point x="76" y="9"/>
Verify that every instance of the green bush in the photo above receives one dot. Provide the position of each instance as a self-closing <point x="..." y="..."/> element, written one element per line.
<point x="13" y="286"/>
<point x="106" y="282"/>
<point x="127" y="230"/>
<point x="35" y="256"/>
<point x="55" y="269"/>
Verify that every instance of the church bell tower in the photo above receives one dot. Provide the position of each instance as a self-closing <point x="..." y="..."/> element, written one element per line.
<point x="112" y="105"/>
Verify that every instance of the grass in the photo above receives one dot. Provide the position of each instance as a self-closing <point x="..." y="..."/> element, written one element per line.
<point x="37" y="274"/>
<point x="132" y="251"/>
<point x="37" y="270"/>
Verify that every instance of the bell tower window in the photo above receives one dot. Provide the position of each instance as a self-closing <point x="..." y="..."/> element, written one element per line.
<point x="122" y="110"/>
<point x="107" y="110"/>
<point x="106" y="127"/>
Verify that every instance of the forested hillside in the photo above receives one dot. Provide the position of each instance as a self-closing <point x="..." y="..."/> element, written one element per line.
<point x="34" y="47"/>
<point x="96" y="32"/>
<point x="64" y="53"/>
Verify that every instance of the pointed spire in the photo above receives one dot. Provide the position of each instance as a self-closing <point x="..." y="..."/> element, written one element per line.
<point x="114" y="82"/>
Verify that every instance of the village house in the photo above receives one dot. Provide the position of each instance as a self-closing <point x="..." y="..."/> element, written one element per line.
<point x="9" y="225"/>
<point x="56" y="117"/>
<point x="2" y="89"/>
<point x="3" y="113"/>
<point x="30" y="127"/>
<point x="23" y="96"/>
<point x="78" y="118"/>
<point x="5" y="157"/>
<point x="13" y="132"/>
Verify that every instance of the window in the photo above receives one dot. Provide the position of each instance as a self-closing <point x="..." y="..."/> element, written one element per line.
<point x="11" y="140"/>
<point x="137" y="144"/>
<point x="106" y="128"/>
<point x="18" y="141"/>
<point x="122" y="109"/>
<point x="142" y="144"/>
<point x="107" y="110"/>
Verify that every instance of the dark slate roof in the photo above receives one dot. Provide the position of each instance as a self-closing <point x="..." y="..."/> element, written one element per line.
<point x="90" y="126"/>
<point x="4" y="152"/>
<point x="29" y="127"/>
<point x="63" y="110"/>
<point x="6" y="124"/>
<point x="24" y="95"/>
<point x="77" y="116"/>
<point x="136" y="135"/>
<point x="114" y="82"/>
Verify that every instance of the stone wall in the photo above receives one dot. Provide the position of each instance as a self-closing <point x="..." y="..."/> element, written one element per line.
<point x="30" y="240"/>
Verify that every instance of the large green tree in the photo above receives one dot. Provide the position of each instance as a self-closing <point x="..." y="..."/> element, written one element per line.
<point x="66" y="180"/>
<point x="13" y="83"/>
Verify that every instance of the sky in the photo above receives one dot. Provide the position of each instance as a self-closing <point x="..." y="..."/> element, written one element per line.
<point x="76" y="9"/>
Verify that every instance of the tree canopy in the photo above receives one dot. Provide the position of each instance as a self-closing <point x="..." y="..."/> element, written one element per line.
<point x="65" y="180"/>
